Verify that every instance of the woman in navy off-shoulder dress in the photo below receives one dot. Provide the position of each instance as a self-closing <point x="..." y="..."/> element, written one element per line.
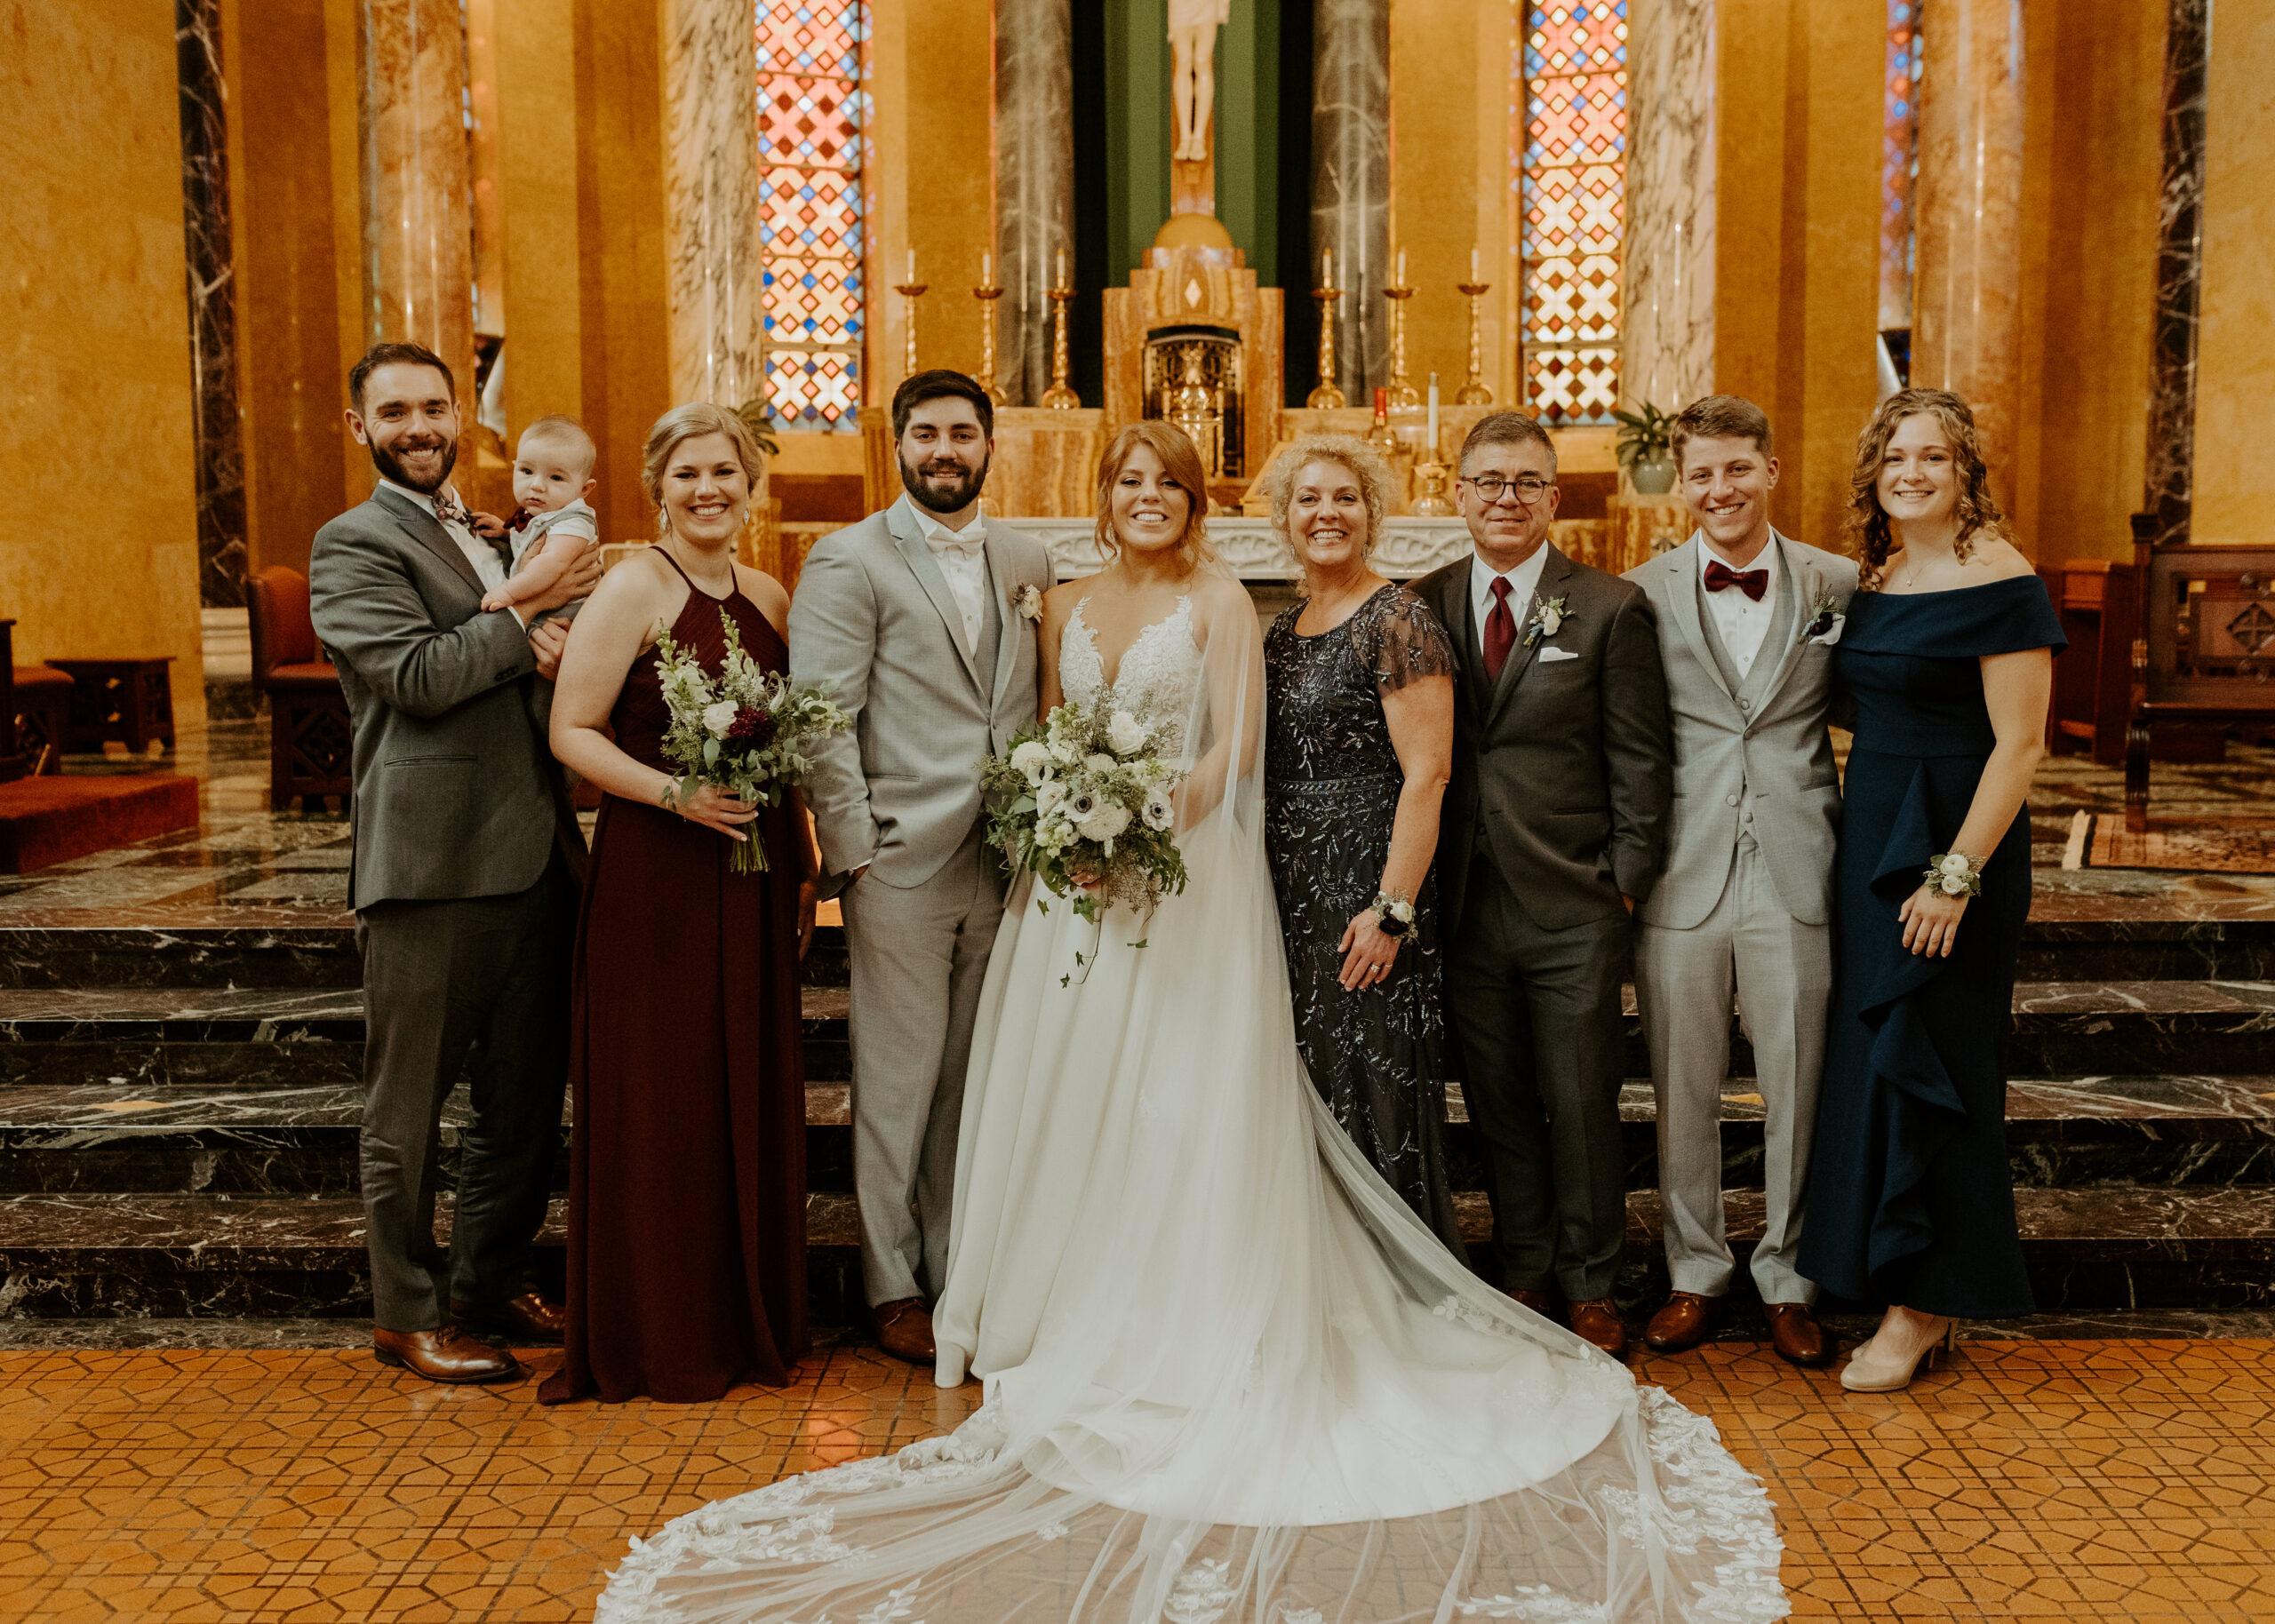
<point x="1947" y="654"/>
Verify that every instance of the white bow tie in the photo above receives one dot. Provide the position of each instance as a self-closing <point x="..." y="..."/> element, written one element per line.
<point x="957" y="545"/>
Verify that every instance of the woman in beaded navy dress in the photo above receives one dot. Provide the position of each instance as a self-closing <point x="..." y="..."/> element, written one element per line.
<point x="1947" y="653"/>
<point x="1358" y="742"/>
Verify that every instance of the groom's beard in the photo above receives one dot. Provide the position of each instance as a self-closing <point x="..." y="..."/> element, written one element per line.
<point x="390" y="469"/>
<point x="928" y="496"/>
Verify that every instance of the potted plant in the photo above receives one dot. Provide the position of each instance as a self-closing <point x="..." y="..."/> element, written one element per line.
<point x="1647" y="450"/>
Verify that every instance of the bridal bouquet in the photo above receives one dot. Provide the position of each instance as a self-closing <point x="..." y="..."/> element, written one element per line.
<point x="1086" y="791"/>
<point x="744" y="730"/>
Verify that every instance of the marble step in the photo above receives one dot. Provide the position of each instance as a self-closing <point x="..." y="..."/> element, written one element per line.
<point x="165" y="1036"/>
<point x="126" y="1256"/>
<point x="118" y="1137"/>
<point x="2072" y="938"/>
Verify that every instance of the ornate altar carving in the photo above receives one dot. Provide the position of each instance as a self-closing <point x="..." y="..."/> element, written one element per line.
<point x="1196" y="300"/>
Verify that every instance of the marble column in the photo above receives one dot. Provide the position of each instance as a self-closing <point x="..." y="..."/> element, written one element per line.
<point x="2171" y="482"/>
<point x="418" y="196"/>
<point x="212" y="303"/>
<point x="1034" y="184"/>
<point x="1667" y="319"/>
<point x="1351" y="182"/>
<point x="1969" y="212"/>
<point x="718" y="287"/>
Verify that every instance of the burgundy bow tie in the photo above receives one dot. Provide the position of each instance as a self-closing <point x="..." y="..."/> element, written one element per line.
<point x="1753" y="583"/>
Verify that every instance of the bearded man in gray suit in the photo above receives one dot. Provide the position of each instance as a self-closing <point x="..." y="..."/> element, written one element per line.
<point x="1555" y="827"/>
<point x="915" y="621"/>
<point x="1747" y="618"/>
<point x="464" y="877"/>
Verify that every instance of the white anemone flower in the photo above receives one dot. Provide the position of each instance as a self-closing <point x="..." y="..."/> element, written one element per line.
<point x="1032" y="760"/>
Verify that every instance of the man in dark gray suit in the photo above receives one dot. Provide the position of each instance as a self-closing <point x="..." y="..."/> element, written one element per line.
<point x="1555" y="827"/>
<point x="468" y="860"/>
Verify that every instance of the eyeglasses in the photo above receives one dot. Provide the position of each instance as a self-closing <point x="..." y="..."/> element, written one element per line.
<point x="1525" y="488"/>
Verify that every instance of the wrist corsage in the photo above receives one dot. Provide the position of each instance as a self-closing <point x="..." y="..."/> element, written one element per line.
<point x="1955" y="873"/>
<point x="1394" y="913"/>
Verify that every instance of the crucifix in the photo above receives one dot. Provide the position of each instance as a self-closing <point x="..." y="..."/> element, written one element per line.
<point x="1193" y="94"/>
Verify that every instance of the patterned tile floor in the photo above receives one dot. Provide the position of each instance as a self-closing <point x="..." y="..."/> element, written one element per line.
<point x="2087" y="1481"/>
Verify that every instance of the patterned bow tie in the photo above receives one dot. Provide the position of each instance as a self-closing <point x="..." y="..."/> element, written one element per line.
<point x="450" y="510"/>
<point x="1753" y="583"/>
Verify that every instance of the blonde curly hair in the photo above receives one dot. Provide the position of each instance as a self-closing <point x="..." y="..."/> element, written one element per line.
<point x="1360" y="460"/>
<point x="1866" y="521"/>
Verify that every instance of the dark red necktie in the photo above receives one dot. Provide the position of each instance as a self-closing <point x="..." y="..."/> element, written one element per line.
<point x="1500" y="630"/>
<point x="1753" y="583"/>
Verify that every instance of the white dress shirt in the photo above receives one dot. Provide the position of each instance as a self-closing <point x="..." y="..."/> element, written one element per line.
<point x="962" y="557"/>
<point x="480" y="554"/>
<point x="1524" y="580"/>
<point x="1742" y="624"/>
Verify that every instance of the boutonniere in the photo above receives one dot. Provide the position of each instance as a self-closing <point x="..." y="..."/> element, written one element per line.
<point x="1825" y="622"/>
<point x="1028" y="601"/>
<point x="1546" y="620"/>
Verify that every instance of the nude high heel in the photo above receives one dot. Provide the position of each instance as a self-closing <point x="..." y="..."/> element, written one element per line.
<point x="1864" y="1374"/>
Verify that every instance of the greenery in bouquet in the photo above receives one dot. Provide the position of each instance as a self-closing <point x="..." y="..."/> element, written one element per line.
<point x="1086" y="792"/>
<point x="741" y="727"/>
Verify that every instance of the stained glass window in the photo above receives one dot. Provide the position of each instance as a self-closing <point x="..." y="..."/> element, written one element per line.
<point x="1571" y="143"/>
<point x="1899" y="162"/>
<point x="810" y="110"/>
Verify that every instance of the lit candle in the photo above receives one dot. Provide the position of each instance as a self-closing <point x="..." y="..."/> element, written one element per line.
<point x="1473" y="267"/>
<point x="1434" y="417"/>
<point x="1401" y="267"/>
<point x="987" y="269"/>
<point x="911" y="277"/>
<point x="1062" y="269"/>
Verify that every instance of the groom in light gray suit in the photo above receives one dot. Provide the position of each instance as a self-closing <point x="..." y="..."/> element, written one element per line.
<point x="1746" y="622"/>
<point x="912" y="621"/>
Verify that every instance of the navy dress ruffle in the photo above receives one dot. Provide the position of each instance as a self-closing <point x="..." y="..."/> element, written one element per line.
<point x="1910" y="1196"/>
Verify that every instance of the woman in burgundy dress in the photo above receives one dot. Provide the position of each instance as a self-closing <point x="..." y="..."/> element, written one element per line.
<point x="686" y="1246"/>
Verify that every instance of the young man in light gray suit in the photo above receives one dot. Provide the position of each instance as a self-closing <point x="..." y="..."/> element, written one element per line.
<point x="912" y="621"/>
<point x="467" y="864"/>
<point x="1747" y="619"/>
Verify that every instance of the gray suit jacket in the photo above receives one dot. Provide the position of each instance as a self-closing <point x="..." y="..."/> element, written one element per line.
<point x="1561" y="768"/>
<point x="871" y="625"/>
<point x="455" y="791"/>
<point x="1774" y="763"/>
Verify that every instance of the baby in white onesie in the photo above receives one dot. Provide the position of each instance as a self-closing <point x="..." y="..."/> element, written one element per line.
<point x="553" y="474"/>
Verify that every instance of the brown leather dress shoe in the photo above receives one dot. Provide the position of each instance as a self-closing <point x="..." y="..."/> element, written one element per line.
<point x="1541" y="1302"/>
<point x="444" y="1355"/>
<point x="1682" y="1324"/>
<point x="1599" y="1322"/>
<point x="905" y="1330"/>
<point x="524" y="1320"/>
<point x="1798" y="1337"/>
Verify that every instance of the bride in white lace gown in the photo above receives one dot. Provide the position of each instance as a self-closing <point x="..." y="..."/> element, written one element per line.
<point x="1229" y="1376"/>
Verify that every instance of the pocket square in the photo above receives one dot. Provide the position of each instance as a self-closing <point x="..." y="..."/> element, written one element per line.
<point x="1547" y="655"/>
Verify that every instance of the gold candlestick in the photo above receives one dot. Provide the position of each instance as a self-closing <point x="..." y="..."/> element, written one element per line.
<point x="1474" y="393"/>
<point x="1402" y="392"/>
<point x="988" y="296"/>
<point x="1060" y="396"/>
<point x="911" y="291"/>
<point x="1328" y="397"/>
<point x="1432" y="503"/>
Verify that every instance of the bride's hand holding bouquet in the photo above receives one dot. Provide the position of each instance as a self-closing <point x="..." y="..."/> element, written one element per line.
<point x="1084" y="800"/>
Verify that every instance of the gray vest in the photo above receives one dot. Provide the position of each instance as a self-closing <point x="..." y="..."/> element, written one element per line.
<point x="991" y="636"/>
<point x="1754" y="686"/>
